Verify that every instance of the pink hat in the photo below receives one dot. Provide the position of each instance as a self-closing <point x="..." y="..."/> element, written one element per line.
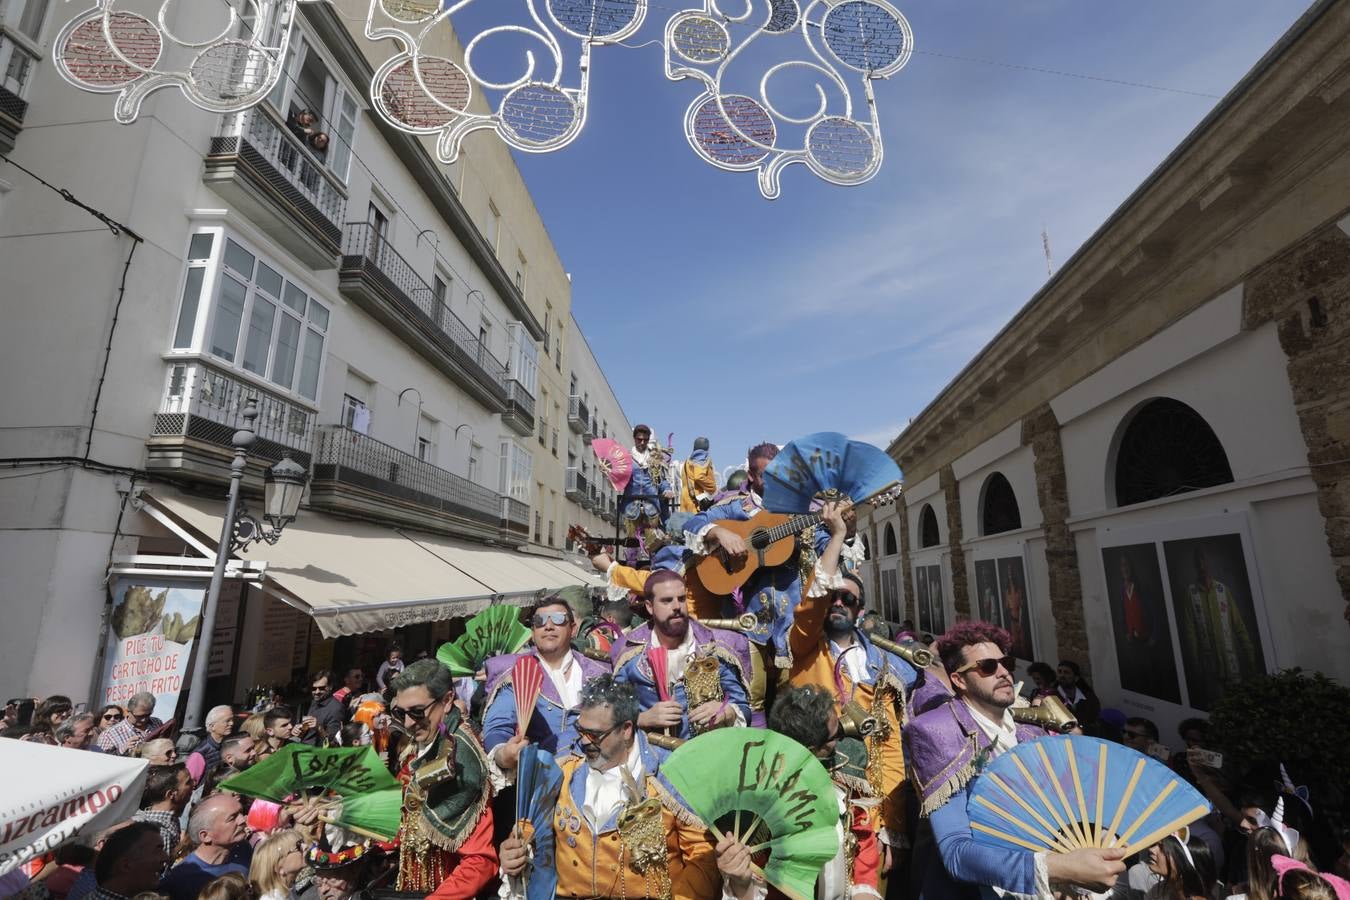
<point x="196" y="766"/>
<point x="1284" y="865"/>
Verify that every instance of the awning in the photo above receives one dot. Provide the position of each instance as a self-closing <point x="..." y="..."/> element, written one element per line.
<point x="354" y="576"/>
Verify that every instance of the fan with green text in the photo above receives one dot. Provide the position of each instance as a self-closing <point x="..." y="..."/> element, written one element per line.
<point x="494" y="631"/>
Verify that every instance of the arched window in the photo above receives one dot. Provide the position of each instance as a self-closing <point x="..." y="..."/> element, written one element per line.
<point x="867" y="548"/>
<point x="998" y="506"/>
<point x="928" y="527"/>
<point x="889" y="546"/>
<point x="1166" y="449"/>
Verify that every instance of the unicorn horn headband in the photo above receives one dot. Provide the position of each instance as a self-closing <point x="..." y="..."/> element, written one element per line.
<point x="1287" y="786"/>
<point x="1287" y="834"/>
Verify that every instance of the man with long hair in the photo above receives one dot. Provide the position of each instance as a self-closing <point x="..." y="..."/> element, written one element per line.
<point x="945" y="747"/>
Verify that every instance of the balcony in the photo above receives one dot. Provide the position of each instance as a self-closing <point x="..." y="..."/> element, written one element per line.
<point x="519" y="415"/>
<point x="576" y="485"/>
<point x="202" y="408"/>
<point x="381" y="281"/>
<point x="18" y="59"/>
<point x="578" y="415"/>
<point x="357" y="475"/>
<point x="257" y="164"/>
<point x="593" y="432"/>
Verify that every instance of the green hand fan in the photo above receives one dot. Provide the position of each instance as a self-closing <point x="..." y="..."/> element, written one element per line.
<point x="769" y="793"/>
<point x="1065" y="792"/>
<point x="352" y="786"/>
<point x="494" y="631"/>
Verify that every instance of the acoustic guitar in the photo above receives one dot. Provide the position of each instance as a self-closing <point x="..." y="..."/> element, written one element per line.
<point x="769" y="539"/>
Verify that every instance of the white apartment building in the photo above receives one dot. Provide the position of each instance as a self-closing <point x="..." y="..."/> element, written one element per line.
<point x="593" y="411"/>
<point x="399" y="324"/>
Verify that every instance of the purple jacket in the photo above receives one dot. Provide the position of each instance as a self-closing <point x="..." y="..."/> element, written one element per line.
<point x="552" y="726"/>
<point x="732" y="647"/>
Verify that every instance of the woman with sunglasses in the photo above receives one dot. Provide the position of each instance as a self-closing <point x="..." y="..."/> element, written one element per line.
<point x="947" y="747"/>
<point x="109" y="716"/>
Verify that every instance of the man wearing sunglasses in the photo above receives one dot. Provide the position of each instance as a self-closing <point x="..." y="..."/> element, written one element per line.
<point x="944" y="748"/>
<point x="831" y="652"/>
<point x="673" y="636"/>
<point x="616" y="770"/>
<point x="552" y="627"/>
<point x="808" y="716"/>
<point x="446" y="831"/>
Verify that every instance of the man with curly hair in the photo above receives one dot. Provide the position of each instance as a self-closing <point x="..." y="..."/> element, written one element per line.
<point x="946" y="748"/>
<point x="601" y="846"/>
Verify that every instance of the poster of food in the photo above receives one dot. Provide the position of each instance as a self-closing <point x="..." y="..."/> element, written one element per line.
<point x="1216" y="614"/>
<point x="150" y="641"/>
<point x="1143" y="636"/>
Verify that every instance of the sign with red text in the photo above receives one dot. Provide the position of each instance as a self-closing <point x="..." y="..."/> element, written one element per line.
<point x="150" y="640"/>
<point x="62" y="793"/>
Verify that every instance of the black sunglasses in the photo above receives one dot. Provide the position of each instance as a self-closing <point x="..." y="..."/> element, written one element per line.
<point x="416" y="713"/>
<point x="113" y="717"/>
<point x="595" y="737"/>
<point x="989" y="667"/>
<point x="844" y="597"/>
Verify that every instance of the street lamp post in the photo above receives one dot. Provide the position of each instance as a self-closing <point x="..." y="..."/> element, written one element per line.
<point x="283" y="487"/>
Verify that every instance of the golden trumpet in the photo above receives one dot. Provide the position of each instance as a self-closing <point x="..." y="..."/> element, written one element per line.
<point x="1052" y="714"/>
<point x="664" y="741"/>
<point x="912" y="652"/>
<point x="855" y="721"/>
<point x="743" y="622"/>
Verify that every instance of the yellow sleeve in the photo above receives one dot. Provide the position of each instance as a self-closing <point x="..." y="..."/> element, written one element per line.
<point x="807" y="626"/>
<point x="628" y="577"/>
<point x="697" y="877"/>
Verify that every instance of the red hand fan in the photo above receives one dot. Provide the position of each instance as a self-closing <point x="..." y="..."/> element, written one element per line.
<point x="527" y="677"/>
<point x="656" y="656"/>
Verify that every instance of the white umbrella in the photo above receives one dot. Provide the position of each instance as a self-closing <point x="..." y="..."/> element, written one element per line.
<point x="54" y="794"/>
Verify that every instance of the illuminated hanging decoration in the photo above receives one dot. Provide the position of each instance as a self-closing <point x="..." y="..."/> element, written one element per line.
<point x="536" y="111"/>
<point x="112" y="49"/>
<point x="539" y="102"/>
<point x="741" y="131"/>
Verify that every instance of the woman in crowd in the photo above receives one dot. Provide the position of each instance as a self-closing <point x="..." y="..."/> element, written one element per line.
<point x="109" y="716"/>
<point x="1262" y="845"/>
<point x="50" y="713"/>
<point x="277" y="861"/>
<point x="231" y="886"/>
<point x="1185" y="866"/>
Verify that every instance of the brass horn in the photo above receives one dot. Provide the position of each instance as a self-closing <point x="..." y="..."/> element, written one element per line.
<point x="912" y="652"/>
<point x="743" y="622"/>
<point x="855" y="721"/>
<point x="664" y="741"/>
<point x="1052" y="715"/>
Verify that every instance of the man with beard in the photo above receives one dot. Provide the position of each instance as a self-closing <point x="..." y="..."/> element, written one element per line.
<point x="218" y="827"/>
<point x="445" y="838"/>
<point x="655" y="659"/>
<point x="599" y="851"/>
<point x="831" y="652"/>
<point x="552" y="626"/>
<point x="946" y="748"/>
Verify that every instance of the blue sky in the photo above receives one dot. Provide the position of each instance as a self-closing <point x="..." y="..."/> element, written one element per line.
<point x="714" y="311"/>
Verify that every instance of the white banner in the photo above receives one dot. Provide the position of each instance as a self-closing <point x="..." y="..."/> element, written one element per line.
<point x="149" y="641"/>
<point x="62" y="793"/>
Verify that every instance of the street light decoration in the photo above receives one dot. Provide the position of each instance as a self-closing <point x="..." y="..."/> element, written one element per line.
<point x="537" y="101"/>
<point x="111" y="49"/>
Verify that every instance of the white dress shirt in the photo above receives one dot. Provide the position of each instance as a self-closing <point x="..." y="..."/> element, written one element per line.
<point x="566" y="679"/>
<point x="606" y="791"/>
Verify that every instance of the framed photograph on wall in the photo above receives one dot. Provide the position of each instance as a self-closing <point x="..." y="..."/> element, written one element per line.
<point x="988" y="607"/>
<point x="1139" y="621"/>
<point x="1015" y="605"/>
<point x="1216" y="614"/>
<point x="928" y="585"/>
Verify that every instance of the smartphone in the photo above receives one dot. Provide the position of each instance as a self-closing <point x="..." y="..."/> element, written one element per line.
<point x="1159" y="751"/>
<point x="1208" y="758"/>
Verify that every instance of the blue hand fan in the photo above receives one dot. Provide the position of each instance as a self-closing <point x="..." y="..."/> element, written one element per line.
<point x="538" y="784"/>
<point x="821" y="461"/>
<point x="1065" y="792"/>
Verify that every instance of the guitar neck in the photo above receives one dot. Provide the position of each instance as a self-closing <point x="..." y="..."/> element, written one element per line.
<point x="798" y="524"/>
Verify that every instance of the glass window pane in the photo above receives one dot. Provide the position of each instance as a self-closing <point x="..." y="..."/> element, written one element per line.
<point x="229" y="316"/>
<point x="341" y="145"/>
<point x="269" y="280"/>
<point x="288" y="348"/>
<point x="309" y="368"/>
<point x="295" y="298"/>
<point x="200" y="247"/>
<point x="239" y="259"/>
<point x="260" y="323"/>
<point x="318" y="315"/>
<point x="187" y="310"/>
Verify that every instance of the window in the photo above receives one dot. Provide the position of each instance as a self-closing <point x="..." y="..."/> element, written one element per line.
<point x="18" y="57"/>
<point x="307" y="87"/>
<point x="1165" y="449"/>
<point x="260" y="319"/>
<point x="516" y="473"/>
<point x="928" y="527"/>
<point x="494" y="226"/>
<point x="888" y="537"/>
<point x="522" y="357"/>
<point x="998" y="506"/>
<point x="484" y="339"/>
<point x="428" y="432"/>
<point x="557" y="348"/>
<point x="521" y="268"/>
<point x="26" y="17"/>
<point x="440" y="292"/>
<point x="548" y="320"/>
<point x="355" y="414"/>
<point x="538" y="524"/>
<point x="475" y="462"/>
